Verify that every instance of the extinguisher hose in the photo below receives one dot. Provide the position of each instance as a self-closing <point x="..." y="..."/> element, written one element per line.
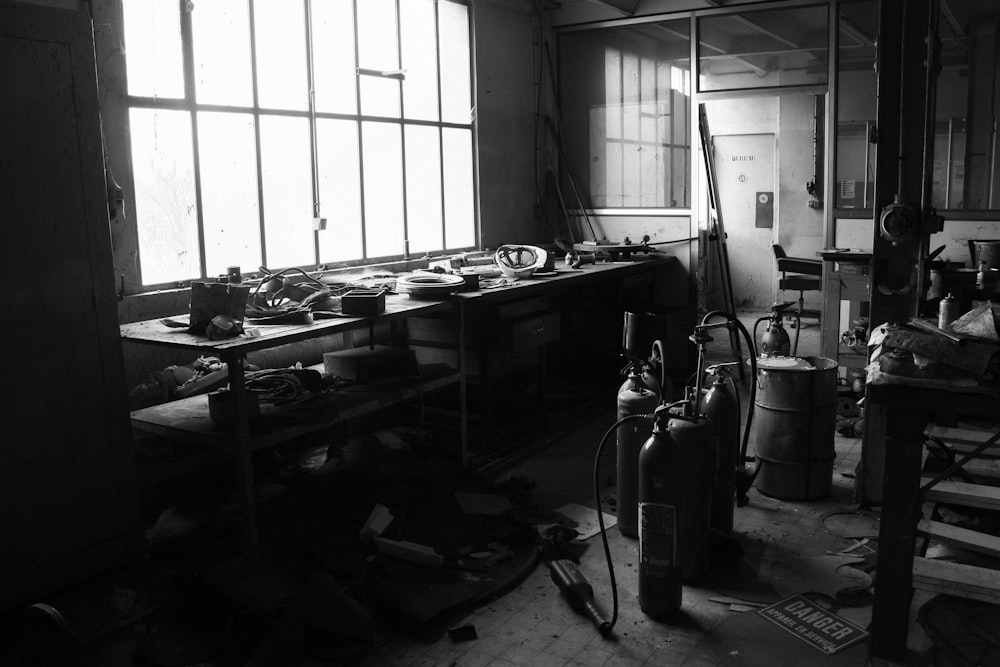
<point x="753" y="390"/>
<point x="755" y="325"/>
<point x="753" y="372"/>
<point x="606" y="628"/>
<point x="659" y="353"/>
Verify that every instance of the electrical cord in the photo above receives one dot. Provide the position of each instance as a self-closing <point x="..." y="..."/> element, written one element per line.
<point x="607" y="627"/>
<point x="600" y="514"/>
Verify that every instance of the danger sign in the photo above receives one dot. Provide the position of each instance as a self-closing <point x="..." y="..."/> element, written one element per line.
<point x="813" y="624"/>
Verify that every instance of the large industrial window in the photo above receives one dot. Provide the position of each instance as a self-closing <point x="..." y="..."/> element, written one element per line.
<point x="626" y="115"/>
<point x="297" y="133"/>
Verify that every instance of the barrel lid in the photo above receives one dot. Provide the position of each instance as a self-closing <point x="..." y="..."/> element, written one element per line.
<point x="785" y="363"/>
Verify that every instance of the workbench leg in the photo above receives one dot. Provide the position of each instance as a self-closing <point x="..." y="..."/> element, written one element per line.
<point x="463" y="406"/>
<point x="904" y="431"/>
<point x="829" y="320"/>
<point x="241" y="447"/>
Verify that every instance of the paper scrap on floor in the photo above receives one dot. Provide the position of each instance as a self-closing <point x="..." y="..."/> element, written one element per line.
<point x="586" y="519"/>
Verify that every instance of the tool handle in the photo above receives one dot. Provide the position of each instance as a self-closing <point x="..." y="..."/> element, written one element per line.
<point x="596" y="617"/>
<point x="578" y="592"/>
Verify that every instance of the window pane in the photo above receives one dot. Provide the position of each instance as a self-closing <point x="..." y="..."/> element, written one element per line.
<point x="459" y="201"/>
<point x="377" y="50"/>
<point x="153" y="54"/>
<point x="287" y="182"/>
<point x="339" y="190"/>
<point x="281" y="54"/>
<point x="626" y="115"/>
<point x="855" y="157"/>
<point x="420" y="88"/>
<point x="333" y="53"/>
<point x="778" y="47"/>
<point x="423" y="189"/>
<point x="163" y="167"/>
<point x="383" y="173"/>
<point x="456" y="75"/>
<point x="230" y="215"/>
<point x="222" y="53"/>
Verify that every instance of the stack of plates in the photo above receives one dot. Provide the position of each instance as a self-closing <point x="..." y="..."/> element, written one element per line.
<point x="429" y="285"/>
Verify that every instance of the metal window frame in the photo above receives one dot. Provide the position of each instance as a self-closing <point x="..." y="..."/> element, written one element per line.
<point x="132" y="283"/>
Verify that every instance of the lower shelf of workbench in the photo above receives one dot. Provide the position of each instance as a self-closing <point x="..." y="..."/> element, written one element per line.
<point x="188" y="419"/>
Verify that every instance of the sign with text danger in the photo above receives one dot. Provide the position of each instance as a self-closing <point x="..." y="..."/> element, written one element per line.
<point x="813" y="624"/>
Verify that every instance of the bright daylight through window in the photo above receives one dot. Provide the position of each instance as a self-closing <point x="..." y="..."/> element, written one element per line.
<point x="250" y="119"/>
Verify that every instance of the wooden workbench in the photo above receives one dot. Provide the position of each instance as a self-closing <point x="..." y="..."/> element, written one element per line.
<point x="907" y="410"/>
<point x="845" y="278"/>
<point x="187" y="419"/>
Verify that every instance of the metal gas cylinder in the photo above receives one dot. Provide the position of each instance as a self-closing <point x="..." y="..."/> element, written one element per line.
<point x="947" y="312"/>
<point x="675" y="482"/>
<point x="775" y="341"/>
<point x="635" y="397"/>
<point x="721" y="406"/>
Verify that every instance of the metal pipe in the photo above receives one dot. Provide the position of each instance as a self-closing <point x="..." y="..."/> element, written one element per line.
<point x="947" y="167"/>
<point x="993" y="162"/>
<point x="868" y="157"/>
<point x="932" y="69"/>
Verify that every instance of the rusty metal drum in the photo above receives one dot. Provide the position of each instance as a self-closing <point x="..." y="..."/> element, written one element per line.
<point x="795" y="412"/>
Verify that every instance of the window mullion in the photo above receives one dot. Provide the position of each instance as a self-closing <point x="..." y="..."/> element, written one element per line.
<point x="256" y="127"/>
<point x="313" y="150"/>
<point x="361" y="138"/>
<point x="190" y="104"/>
<point x="402" y="130"/>
<point x="440" y="118"/>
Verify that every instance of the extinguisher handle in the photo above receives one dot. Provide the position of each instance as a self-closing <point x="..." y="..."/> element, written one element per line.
<point x="597" y="618"/>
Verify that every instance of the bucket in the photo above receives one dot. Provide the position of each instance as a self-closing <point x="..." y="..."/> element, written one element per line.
<point x="985" y="252"/>
<point x="795" y="411"/>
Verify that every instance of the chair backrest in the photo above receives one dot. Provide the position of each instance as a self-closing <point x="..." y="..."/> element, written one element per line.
<point x="779" y="252"/>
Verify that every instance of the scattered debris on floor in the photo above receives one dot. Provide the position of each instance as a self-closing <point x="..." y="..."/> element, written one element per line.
<point x="965" y="633"/>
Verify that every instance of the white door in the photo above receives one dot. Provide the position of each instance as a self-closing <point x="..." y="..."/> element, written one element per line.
<point x="744" y="167"/>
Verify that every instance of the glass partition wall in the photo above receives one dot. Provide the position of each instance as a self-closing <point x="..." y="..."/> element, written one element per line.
<point x="627" y="91"/>
<point x="965" y="175"/>
<point x="626" y="115"/>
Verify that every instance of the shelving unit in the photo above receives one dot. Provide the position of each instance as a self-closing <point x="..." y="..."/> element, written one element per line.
<point x="845" y="279"/>
<point x="188" y="419"/>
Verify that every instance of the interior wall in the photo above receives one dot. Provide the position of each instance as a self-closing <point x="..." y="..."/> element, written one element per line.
<point x="505" y="86"/>
<point x="797" y="226"/>
<point x="800" y="228"/>
<point x="857" y="233"/>
<point x="659" y="228"/>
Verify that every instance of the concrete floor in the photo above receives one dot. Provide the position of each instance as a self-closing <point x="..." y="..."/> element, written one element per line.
<point x="781" y="547"/>
<point x="785" y="544"/>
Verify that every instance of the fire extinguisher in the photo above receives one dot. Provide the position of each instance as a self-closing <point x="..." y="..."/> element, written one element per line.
<point x="774" y="342"/>
<point x="721" y="406"/>
<point x="675" y="479"/>
<point x="641" y="392"/>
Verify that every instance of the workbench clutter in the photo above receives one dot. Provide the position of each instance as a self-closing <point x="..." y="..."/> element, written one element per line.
<point x="921" y="354"/>
<point x="521" y="261"/>
<point x="217" y="309"/>
<point x="294" y="296"/>
<point x="427" y="285"/>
